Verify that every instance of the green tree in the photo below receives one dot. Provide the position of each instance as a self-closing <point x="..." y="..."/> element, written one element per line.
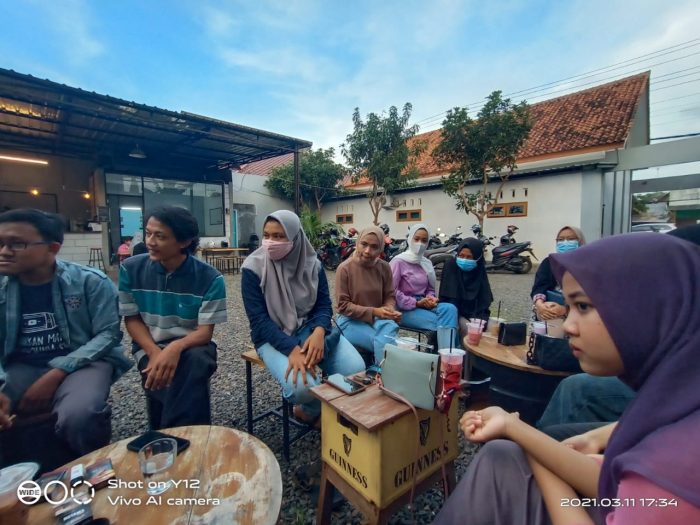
<point x="316" y="231"/>
<point x="378" y="151"/>
<point x="482" y="149"/>
<point x="319" y="177"/>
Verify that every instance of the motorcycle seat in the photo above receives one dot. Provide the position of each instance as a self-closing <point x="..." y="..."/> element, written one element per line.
<point x="515" y="246"/>
<point x="442" y="249"/>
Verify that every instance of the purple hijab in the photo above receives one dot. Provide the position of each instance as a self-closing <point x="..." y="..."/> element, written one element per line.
<point x="646" y="288"/>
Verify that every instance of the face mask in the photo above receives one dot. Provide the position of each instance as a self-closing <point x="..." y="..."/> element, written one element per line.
<point x="277" y="249"/>
<point x="466" y="265"/>
<point x="566" y="246"/>
<point x="418" y="248"/>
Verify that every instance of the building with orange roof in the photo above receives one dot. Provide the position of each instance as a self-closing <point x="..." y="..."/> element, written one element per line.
<point x="566" y="173"/>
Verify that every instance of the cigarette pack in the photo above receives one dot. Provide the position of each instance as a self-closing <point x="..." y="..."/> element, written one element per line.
<point x="100" y="472"/>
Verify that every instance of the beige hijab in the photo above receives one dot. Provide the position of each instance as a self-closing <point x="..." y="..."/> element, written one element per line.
<point x="577" y="231"/>
<point x="370" y="230"/>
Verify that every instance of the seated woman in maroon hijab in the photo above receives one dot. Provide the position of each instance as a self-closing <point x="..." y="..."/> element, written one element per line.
<point x="634" y="309"/>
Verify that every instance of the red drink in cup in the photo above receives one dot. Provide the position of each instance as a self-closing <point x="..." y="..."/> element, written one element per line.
<point x="451" y="362"/>
<point x="474" y="333"/>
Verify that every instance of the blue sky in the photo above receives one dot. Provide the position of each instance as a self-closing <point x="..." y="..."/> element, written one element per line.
<point x="300" y="67"/>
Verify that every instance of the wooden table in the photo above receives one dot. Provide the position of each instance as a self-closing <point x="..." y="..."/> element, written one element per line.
<point x="369" y="443"/>
<point x="230" y="466"/>
<point x="515" y="384"/>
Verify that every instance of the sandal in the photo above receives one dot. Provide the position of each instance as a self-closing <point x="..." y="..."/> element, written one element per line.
<point x="303" y="417"/>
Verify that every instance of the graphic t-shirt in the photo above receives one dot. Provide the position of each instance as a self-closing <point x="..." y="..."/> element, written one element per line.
<point x="39" y="338"/>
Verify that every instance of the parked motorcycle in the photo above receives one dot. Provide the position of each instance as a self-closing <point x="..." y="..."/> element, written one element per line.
<point x="508" y="256"/>
<point x="508" y="237"/>
<point x="333" y="251"/>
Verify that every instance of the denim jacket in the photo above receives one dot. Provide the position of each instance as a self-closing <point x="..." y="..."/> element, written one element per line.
<point x="85" y="307"/>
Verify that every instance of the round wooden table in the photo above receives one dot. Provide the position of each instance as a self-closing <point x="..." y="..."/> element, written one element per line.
<point x="227" y="476"/>
<point x="515" y="384"/>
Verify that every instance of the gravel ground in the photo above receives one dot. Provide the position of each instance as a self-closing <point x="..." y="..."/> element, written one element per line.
<point x="228" y="403"/>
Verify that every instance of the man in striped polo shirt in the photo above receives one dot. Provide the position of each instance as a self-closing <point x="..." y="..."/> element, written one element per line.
<point x="171" y="301"/>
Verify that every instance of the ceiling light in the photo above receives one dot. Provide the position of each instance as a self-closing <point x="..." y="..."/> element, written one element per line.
<point x="137" y="153"/>
<point x="34" y="192"/>
<point x="86" y="195"/>
<point x="24" y="159"/>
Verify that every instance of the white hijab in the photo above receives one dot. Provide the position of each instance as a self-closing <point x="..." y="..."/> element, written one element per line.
<point x="412" y="258"/>
<point x="289" y="285"/>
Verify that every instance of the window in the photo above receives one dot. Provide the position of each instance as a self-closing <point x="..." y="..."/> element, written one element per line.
<point x="510" y="209"/>
<point x="516" y="209"/>
<point x="409" y="216"/>
<point x="346" y="218"/>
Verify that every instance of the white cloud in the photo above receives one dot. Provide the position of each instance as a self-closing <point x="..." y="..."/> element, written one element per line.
<point x="72" y="21"/>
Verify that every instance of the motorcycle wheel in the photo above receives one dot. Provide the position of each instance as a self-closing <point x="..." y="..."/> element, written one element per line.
<point x="525" y="267"/>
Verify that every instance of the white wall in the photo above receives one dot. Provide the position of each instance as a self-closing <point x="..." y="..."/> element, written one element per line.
<point x="250" y="189"/>
<point x="553" y="201"/>
<point x="76" y="247"/>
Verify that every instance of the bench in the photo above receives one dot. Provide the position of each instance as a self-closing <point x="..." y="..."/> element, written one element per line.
<point x="251" y="358"/>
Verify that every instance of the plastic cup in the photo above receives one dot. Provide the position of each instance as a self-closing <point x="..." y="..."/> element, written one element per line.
<point x="480" y="322"/>
<point x="451" y="362"/>
<point x="495" y="324"/>
<point x="555" y="328"/>
<point x="12" y="510"/>
<point x="539" y="327"/>
<point x="155" y="458"/>
<point x="407" y="343"/>
<point x="473" y="333"/>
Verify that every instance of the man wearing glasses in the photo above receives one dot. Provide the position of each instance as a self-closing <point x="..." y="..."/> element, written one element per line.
<point x="60" y="343"/>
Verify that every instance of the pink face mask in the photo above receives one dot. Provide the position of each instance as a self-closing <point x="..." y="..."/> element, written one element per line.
<point x="277" y="249"/>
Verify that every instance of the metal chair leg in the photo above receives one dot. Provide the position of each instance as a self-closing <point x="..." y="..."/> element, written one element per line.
<point x="285" y="429"/>
<point x="249" y="396"/>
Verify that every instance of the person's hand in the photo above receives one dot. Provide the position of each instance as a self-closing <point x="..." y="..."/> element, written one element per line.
<point x="586" y="443"/>
<point x="313" y="347"/>
<point x="387" y="313"/>
<point x="427" y="302"/>
<point x="557" y="310"/>
<point x="547" y="310"/>
<point x="297" y="364"/>
<point x="161" y="367"/>
<point x="39" y="396"/>
<point x="5" y="420"/>
<point x="484" y="425"/>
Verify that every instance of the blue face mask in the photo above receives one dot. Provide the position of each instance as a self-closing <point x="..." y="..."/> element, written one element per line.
<point x="566" y="246"/>
<point x="466" y="265"/>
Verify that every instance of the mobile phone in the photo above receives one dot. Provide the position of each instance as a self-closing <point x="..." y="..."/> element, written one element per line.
<point x="344" y="384"/>
<point x="144" y="439"/>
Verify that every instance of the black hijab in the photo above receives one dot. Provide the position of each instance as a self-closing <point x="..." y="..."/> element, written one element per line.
<point x="465" y="286"/>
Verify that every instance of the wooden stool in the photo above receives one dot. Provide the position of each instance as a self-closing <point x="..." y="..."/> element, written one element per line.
<point x="251" y="357"/>
<point x="96" y="260"/>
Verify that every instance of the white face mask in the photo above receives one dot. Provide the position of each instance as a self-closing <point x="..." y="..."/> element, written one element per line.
<point x="418" y="248"/>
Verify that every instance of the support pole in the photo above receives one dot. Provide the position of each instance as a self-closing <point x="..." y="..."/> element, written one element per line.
<point x="297" y="189"/>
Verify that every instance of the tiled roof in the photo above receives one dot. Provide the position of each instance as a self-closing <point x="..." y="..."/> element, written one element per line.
<point x="586" y="120"/>
<point x="264" y="167"/>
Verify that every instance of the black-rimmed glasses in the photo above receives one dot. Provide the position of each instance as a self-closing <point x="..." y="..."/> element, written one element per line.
<point x="16" y="246"/>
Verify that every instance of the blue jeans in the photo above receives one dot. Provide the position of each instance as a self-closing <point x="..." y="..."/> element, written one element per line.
<point x="343" y="359"/>
<point x="444" y="314"/>
<point x="583" y="398"/>
<point x="369" y="336"/>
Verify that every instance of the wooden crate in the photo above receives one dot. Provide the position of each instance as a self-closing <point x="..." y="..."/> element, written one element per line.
<point x="370" y="440"/>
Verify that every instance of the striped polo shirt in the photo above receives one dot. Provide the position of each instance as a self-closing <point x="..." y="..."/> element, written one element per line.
<point x="172" y="305"/>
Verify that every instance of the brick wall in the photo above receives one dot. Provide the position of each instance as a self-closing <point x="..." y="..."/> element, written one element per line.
<point x="76" y="247"/>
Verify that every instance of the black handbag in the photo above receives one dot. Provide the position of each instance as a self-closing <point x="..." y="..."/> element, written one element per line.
<point x="511" y="334"/>
<point x="552" y="353"/>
